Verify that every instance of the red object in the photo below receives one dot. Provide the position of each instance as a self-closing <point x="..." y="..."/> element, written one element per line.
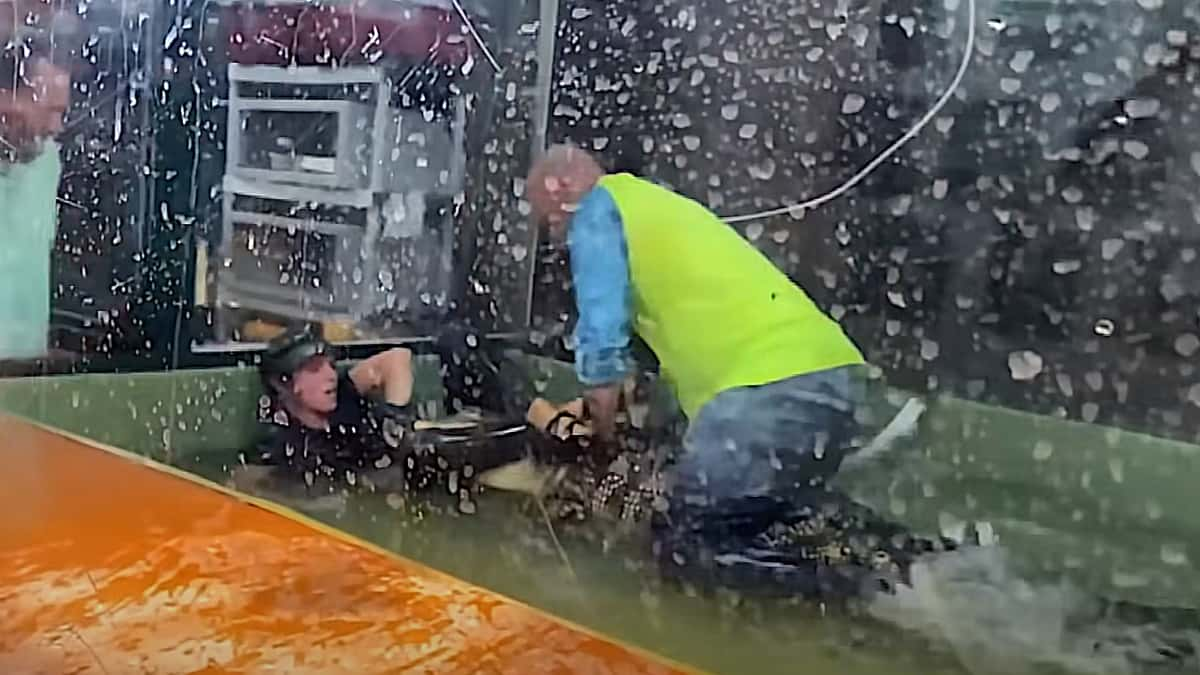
<point x="359" y="33"/>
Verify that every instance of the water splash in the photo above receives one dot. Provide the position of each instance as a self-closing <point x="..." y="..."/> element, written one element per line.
<point x="997" y="622"/>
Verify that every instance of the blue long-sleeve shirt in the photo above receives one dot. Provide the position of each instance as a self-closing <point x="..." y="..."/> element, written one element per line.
<point x="600" y="270"/>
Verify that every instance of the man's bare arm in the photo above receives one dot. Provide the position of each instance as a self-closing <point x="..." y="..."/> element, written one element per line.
<point x="389" y="373"/>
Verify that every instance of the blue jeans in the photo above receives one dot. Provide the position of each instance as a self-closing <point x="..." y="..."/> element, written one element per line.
<point x="768" y="440"/>
<point x="748" y="500"/>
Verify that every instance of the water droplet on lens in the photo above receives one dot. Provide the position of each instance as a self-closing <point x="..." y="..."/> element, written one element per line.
<point x="1067" y="266"/>
<point x="764" y="170"/>
<point x="929" y="349"/>
<point x="1024" y="365"/>
<point x="1072" y="195"/>
<point x="1138" y="108"/>
<point x="1021" y="60"/>
<point x="1187" y="344"/>
<point x="1174" y="554"/>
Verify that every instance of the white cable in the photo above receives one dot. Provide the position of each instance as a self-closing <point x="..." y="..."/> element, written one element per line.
<point x="891" y="149"/>
<point x="462" y="13"/>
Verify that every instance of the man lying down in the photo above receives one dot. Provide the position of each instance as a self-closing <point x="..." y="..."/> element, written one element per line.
<point x="327" y="431"/>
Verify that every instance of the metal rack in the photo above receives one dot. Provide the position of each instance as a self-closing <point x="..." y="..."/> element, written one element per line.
<point x="307" y="237"/>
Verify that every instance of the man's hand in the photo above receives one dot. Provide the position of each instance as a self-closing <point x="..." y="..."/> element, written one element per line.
<point x="602" y="405"/>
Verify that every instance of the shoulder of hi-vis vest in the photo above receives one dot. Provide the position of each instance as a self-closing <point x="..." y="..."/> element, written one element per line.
<point x="716" y="311"/>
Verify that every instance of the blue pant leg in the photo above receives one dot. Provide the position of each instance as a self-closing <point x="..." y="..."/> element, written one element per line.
<point x="754" y="457"/>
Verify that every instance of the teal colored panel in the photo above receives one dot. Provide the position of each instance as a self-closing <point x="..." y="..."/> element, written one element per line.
<point x="28" y="215"/>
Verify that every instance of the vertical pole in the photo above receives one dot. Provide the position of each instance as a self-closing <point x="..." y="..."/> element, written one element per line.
<point x="547" y="36"/>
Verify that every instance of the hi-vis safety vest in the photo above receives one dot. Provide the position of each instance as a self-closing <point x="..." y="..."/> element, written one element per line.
<point x="717" y="313"/>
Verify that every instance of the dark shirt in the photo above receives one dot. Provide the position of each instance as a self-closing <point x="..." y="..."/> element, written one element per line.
<point x="353" y="442"/>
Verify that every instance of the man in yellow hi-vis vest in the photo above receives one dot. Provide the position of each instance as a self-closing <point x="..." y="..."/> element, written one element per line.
<point x="768" y="382"/>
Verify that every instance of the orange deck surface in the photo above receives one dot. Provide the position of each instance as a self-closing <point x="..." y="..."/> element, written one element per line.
<point x="108" y="565"/>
